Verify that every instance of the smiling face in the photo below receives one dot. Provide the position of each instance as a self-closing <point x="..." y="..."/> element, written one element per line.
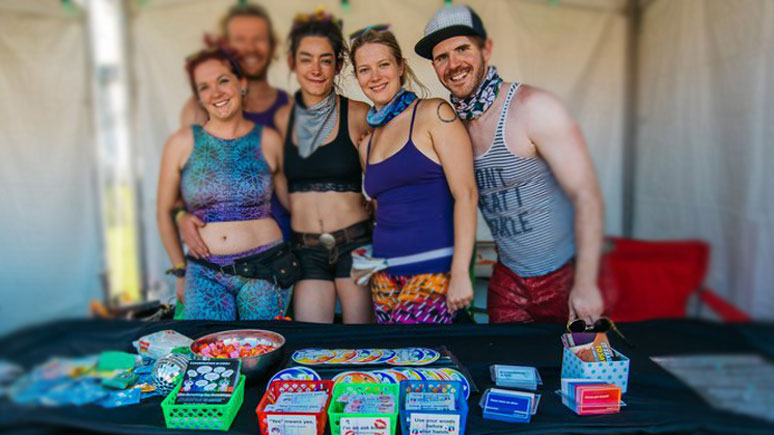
<point x="250" y="36"/>
<point x="315" y="65"/>
<point x="460" y="64"/>
<point x="379" y="72"/>
<point x="218" y="89"/>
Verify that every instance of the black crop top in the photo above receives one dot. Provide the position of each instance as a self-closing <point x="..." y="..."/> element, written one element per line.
<point x="334" y="166"/>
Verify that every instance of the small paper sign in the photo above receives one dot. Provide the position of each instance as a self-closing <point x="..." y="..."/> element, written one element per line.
<point x="434" y="424"/>
<point x="365" y="426"/>
<point x="291" y="425"/>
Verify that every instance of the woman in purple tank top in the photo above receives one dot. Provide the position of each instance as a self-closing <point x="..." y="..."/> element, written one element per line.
<point x="419" y="170"/>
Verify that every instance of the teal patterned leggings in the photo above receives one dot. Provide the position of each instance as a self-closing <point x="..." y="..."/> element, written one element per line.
<point x="212" y="295"/>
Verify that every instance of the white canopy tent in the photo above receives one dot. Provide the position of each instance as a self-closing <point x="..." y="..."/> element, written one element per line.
<point x="673" y="97"/>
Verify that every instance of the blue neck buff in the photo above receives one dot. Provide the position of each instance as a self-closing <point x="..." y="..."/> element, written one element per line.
<point x="399" y="103"/>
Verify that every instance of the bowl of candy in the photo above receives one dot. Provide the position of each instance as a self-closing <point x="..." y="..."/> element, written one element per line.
<point x="258" y="349"/>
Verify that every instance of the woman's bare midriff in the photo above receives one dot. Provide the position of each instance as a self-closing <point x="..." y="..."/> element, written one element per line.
<point x="224" y="238"/>
<point x="325" y="212"/>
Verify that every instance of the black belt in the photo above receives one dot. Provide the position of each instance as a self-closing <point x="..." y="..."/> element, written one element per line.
<point x="278" y="265"/>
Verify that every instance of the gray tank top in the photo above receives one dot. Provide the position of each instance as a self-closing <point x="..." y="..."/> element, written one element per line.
<point x="530" y="217"/>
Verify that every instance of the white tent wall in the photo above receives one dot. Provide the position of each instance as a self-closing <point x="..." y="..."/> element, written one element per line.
<point x="703" y="151"/>
<point x="50" y="234"/>
<point x="576" y="50"/>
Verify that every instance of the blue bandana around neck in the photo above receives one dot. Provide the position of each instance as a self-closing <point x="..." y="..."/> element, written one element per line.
<point x="399" y="103"/>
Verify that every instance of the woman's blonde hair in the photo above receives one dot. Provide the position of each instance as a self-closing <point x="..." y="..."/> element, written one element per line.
<point x="386" y="38"/>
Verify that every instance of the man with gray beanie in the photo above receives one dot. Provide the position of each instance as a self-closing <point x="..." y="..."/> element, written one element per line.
<point x="538" y="190"/>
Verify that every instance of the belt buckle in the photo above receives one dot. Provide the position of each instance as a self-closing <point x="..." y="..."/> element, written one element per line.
<point x="327" y="240"/>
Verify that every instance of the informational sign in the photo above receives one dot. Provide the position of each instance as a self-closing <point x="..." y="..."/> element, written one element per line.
<point x="291" y="424"/>
<point x="434" y="424"/>
<point x="365" y="426"/>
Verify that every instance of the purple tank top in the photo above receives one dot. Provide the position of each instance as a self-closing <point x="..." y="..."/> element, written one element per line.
<point x="266" y="118"/>
<point x="415" y="211"/>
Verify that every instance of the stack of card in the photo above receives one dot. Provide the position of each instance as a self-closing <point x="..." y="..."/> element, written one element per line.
<point x="525" y="378"/>
<point x="308" y="401"/>
<point x="509" y="406"/>
<point x="430" y="402"/>
<point x="210" y="382"/>
<point x="589" y="397"/>
<point x="368" y="403"/>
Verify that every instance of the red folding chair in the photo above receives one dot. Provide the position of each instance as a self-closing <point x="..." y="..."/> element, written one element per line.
<point x="643" y="280"/>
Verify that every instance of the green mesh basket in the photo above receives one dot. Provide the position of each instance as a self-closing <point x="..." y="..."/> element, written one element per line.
<point x="335" y="410"/>
<point x="202" y="416"/>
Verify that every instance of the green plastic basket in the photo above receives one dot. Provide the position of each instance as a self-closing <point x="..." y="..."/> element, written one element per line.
<point x="335" y="409"/>
<point x="202" y="416"/>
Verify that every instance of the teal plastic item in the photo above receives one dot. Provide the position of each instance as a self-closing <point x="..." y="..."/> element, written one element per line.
<point x="202" y="416"/>
<point x="114" y="360"/>
<point x="179" y="309"/>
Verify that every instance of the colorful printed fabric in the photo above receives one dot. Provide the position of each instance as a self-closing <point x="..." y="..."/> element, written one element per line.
<point x="475" y="105"/>
<point x="212" y="295"/>
<point x="399" y="103"/>
<point x="515" y="299"/>
<point x="227" y="180"/>
<point x="410" y="298"/>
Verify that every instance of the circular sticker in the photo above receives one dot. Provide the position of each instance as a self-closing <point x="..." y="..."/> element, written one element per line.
<point x="406" y="356"/>
<point x="431" y="375"/>
<point x="227" y="373"/>
<point x="397" y="374"/>
<point x="219" y="369"/>
<point x="387" y="355"/>
<point x="385" y="377"/>
<point x="312" y="356"/>
<point x="413" y="374"/>
<point x="457" y="376"/>
<point x="201" y="383"/>
<point x="211" y="376"/>
<point x="343" y="356"/>
<point x="366" y="356"/>
<point x="295" y="373"/>
<point x="354" y="377"/>
<point x="204" y="369"/>
<point x="430" y="356"/>
<point x="192" y="373"/>
<point x="210" y="387"/>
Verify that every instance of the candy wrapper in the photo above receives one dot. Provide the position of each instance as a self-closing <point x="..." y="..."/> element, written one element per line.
<point x="597" y="351"/>
<point x="9" y="373"/>
<point x="160" y="344"/>
<point x="121" y="398"/>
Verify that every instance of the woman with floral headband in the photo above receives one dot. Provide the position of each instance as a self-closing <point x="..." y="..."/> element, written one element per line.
<point x="419" y="169"/>
<point x="322" y="169"/>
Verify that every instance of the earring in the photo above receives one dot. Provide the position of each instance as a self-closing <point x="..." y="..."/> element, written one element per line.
<point x="244" y="91"/>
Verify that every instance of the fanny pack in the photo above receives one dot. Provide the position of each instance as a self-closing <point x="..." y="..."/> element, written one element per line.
<point x="364" y="264"/>
<point x="278" y="265"/>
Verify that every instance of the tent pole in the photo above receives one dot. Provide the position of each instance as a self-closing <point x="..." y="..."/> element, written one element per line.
<point x="630" y="126"/>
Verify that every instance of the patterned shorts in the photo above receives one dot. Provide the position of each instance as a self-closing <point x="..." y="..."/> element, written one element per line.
<point x="410" y="298"/>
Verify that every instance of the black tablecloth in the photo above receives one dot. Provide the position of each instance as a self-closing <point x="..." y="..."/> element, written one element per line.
<point x="657" y="402"/>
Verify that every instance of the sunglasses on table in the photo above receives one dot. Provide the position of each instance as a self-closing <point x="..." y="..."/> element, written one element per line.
<point x="603" y="324"/>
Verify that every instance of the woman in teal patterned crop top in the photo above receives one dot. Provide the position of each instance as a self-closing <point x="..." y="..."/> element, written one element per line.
<point x="224" y="170"/>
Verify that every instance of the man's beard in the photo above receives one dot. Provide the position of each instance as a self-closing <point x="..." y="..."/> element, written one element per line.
<point x="258" y="77"/>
